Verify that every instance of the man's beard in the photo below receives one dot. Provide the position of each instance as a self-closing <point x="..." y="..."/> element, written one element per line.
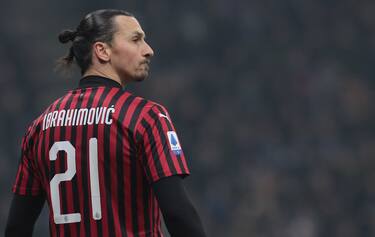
<point x="143" y="74"/>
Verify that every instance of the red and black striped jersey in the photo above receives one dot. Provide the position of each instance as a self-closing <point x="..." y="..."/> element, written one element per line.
<point x="94" y="154"/>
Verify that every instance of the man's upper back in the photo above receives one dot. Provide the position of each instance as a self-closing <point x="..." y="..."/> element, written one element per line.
<point x="94" y="153"/>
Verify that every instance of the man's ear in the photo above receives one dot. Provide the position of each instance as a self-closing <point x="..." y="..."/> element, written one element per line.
<point x="102" y="51"/>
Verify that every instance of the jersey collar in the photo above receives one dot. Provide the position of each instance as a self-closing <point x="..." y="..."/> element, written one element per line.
<point x="96" y="81"/>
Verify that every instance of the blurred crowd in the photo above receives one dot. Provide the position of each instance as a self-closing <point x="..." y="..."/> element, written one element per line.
<point x="271" y="101"/>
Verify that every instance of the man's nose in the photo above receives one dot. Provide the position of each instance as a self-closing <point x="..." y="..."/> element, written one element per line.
<point x="148" y="52"/>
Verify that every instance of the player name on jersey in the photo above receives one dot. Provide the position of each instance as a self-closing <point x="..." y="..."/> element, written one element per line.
<point x="76" y="117"/>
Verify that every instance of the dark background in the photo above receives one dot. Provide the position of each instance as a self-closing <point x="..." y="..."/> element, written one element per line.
<point x="271" y="100"/>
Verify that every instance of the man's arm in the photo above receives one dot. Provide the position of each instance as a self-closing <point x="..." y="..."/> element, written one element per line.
<point x="24" y="212"/>
<point x="179" y="214"/>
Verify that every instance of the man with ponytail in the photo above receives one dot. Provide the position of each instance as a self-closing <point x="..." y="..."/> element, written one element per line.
<point x="107" y="162"/>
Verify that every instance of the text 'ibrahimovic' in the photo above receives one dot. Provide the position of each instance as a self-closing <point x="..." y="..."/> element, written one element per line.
<point x="76" y="117"/>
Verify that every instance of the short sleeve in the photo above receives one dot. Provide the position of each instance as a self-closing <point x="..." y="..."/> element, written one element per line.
<point x="27" y="180"/>
<point x="161" y="153"/>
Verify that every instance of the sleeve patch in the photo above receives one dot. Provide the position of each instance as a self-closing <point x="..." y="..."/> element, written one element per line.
<point x="174" y="142"/>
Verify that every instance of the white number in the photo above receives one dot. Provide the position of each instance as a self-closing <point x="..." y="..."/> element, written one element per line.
<point x="69" y="174"/>
<point x="94" y="179"/>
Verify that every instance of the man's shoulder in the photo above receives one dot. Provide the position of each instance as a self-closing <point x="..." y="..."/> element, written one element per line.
<point x="36" y="125"/>
<point x="140" y="102"/>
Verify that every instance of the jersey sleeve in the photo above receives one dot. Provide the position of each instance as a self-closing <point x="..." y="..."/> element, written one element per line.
<point x="160" y="149"/>
<point x="27" y="179"/>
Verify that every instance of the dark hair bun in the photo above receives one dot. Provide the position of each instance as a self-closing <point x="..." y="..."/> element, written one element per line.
<point x="67" y="35"/>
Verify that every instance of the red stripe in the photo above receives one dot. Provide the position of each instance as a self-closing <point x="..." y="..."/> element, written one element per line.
<point x="24" y="172"/>
<point x="139" y="119"/>
<point x="68" y="137"/>
<point x="24" y="177"/>
<point x="127" y="169"/>
<point x="38" y="174"/>
<point x="150" y="159"/>
<point x="101" y="138"/>
<point x="127" y="184"/>
<point x="63" y="185"/>
<point x="90" y="131"/>
<point x="130" y="112"/>
<point x="69" y="185"/>
<point x="16" y="184"/>
<point x="160" y="150"/>
<point x="173" y="156"/>
<point x="112" y="165"/>
<point x="79" y="138"/>
<point x="113" y="143"/>
<point x="37" y="182"/>
<point x="54" y="227"/>
<point x="38" y="155"/>
<point x="182" y="156"/>
<point x="140" y="214"/>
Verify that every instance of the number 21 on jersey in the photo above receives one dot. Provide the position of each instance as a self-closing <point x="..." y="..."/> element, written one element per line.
<point x="68" y="175"/>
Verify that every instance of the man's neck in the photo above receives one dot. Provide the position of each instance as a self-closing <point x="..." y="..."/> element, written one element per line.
<point x="103" y="73"/>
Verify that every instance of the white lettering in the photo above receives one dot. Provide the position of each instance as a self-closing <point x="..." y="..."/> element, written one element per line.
<point x="68" y="118"/>
<point x="97" y="115"/>
<point x="53" y="119"/>
<point x="91" y="116"/>
<point x="107" y="120"/>
<point x="60" y="118"/>
<point x="82" y="116"/>
<point x="76" y="117"/>
<point x="48" y="120"/>
<point x="103" y="115"/>
<point x="44" y="122"/>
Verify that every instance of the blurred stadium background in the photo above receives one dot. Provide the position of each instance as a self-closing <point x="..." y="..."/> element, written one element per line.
<point x="271" y="100"/>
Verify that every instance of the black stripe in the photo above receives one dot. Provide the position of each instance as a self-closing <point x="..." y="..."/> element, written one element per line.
<point x="133" y="166"/>
<point x="138" y="135"/>
<point x="43" y="157"/>
<point x="107" y="168"/>
<point x="52" y="168"/>
<point x="62" y="161"/>
<point x="26" y="146"/>
<point x="146" y="199"/>
<point x="48" y="169"/>
<point x="136" y="114"/>
<point x="119" y="166"/>
<point x="20" y="166"/>
<point x="74" y="180"/>
<point x="72" y="139"/>
<point x="50" y="227"/>
<point x="30" y="178"/>
<point x="51" y="140"/>
<point x="38" y="169"/>
<point x="32" y="159"/>
<point x="83" y="174"/>
<point x="154" y="152"/>
<point x="152" y="200"/>
<point x="84" y="161"/>
<point x="120" y="180"/>
<point x="47" y="175"/>
<point x="20" y="175"/>
<point x="133" y="184"/>
<point x="164" y="141"/>
<point x="170" y="128"/>
<point x="86" y="173"/>
<point x="99" y="224"/>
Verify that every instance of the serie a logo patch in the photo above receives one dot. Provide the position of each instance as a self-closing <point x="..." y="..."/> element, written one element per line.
<point x="174" y="143"/>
